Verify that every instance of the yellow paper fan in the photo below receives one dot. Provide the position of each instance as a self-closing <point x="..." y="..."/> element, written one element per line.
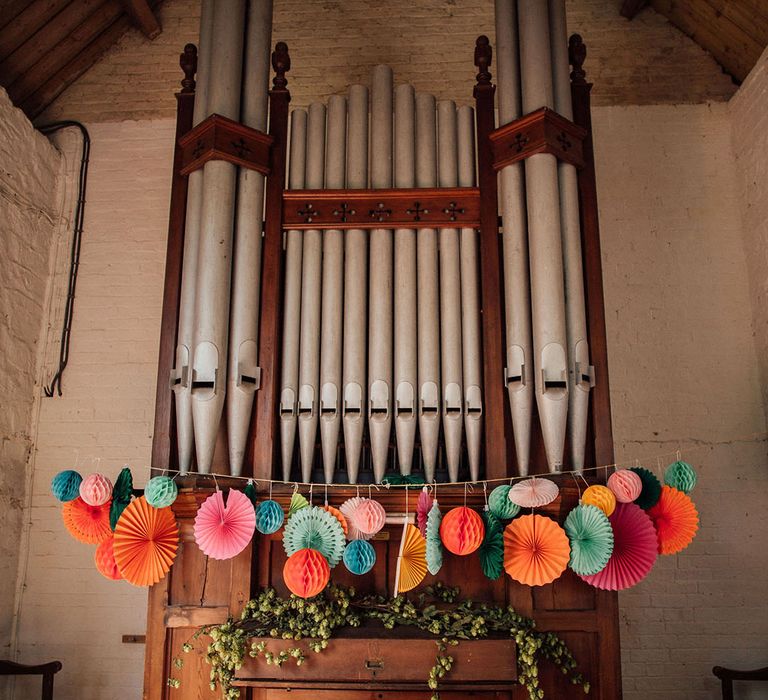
<point x="411" y="560"/>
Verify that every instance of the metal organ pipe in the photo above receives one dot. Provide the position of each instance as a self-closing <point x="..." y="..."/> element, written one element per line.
<point x="427" y="283"/>
<point x="380" y="285"/>
<point x="309" y="352"/>
<point x="450" y="296"/>
<point x="580" y="372"/>
<point x="243" y="372"/>
<point x="181" y="374"/>
<point x="355" y="286"/>
<point x="405" y="376"/>
<point x="332" y="293"/>
<point x="289" y="391"/>
<point x="215" y="250"/>
<point x="545" y="244"/>
<point x="519" y="352"/>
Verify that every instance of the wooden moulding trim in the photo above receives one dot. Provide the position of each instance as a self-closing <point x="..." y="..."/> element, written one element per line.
<point x="219" y="138"/>
<point x="448" y="207"/>
<point x="542" y="131"/>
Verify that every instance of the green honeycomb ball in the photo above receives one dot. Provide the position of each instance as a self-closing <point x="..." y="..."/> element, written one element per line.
<point x="161" y="491"/>
<point x="681" y="476"/>
<point x="500" y="505"/>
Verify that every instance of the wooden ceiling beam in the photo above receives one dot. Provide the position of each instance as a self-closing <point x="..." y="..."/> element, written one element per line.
<point x="143" y="17"/>
<point x="25" y="23"/>
<point x="629" y="8"/>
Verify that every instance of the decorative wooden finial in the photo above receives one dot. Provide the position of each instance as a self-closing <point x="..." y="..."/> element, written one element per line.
<point x="281" y="63"/>
<point x="188" y="63"/>
<point x="483" y="54"/>
<point x="577" y="53"/>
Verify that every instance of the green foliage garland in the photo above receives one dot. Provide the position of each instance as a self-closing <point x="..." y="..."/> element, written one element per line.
<point x="436" y="611"/>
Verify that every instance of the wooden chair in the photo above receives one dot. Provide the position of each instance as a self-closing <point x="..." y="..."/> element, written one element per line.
<point x="47" y="671"/>
<point x="729" y="675"/>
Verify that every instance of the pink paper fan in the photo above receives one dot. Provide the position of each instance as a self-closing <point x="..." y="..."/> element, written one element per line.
<point x="634" y="549"/>
<point x="533" y="493"/>
<point x="223" y="531"/>
<point x="422" y="510"/>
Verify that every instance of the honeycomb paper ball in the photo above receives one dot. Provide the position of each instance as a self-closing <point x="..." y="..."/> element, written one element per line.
<point x="625" y="485"/>
<point x="359" y="557"/>
<point x="369" y="516"/>
<point x="500" y="505"/>
<point x="269" y="517"/>
<point x="161" y="491"/>
<point x="681" y="476"/>
<point x="306" y="573"/>
<point x="649" y="496"/>
<point x="599" y="496"/>
<point x="65" y="486"/>
<point x="96" y="489"/>
<point x="462" y="530"/>
<point x="104" y="558"/>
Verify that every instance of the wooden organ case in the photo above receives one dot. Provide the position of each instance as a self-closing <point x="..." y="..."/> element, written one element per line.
<point x="379" y="663"/>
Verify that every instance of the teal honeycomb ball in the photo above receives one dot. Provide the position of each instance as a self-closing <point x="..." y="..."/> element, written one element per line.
<point x="65" y="486"/>
<point x="269" y="517"/>
<point x="359" y="556"/>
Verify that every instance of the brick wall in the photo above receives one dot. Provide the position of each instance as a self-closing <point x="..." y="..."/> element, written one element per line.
<point x="429" y="43"/>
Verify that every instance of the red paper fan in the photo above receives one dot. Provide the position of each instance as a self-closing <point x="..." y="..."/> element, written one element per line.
<point x="223" y="531"/>
<point x="536" y="550"/>
<point x="676" y="520"/>
<point x="104" y="558"/>
<point x="146" y="540"/>
<point x="88" y="524"/>
<point x="634" y="549"/>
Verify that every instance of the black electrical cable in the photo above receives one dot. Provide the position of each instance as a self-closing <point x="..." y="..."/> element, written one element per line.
<point x="74" y="256"/>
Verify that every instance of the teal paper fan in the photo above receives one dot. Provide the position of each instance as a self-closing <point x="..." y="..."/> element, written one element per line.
<point x="315" y="528"/>
<point x="298" y="502"/>
<point x="65" y="486"/>
<point x="122" y="492"/>
<point x="359" y="557"/>
<point x="681" y="476"/>
<point x="591" y="536"/>
<point x="161" y="491"/>
<point x="434" y="543"/>
<point x="651" y="492"/>
<point x="269" y="517"/>
<point x="500" y="505"/>
<point x="492" y="548"/>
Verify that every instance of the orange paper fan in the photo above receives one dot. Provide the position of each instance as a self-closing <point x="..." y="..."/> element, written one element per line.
<point x="336" y="513"/>
<point x="675" y="519"/>
<point x="536" y="550"/>
<point x="88" y="524"/>
<point x="412" y="560"/>
<point x="146" y="540"/>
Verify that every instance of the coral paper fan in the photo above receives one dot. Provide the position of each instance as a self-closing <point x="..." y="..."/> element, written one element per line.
<point x="533" y="493"/>
<point x="462" y="530"/>
<point x="104" y="558"/>
<point x="146" y="540"/>
<point x="536" y="550"/>
<point x="223" y="531"/>
<point x="423" y="507"/>
<point x="306" y="573"/>
<point x="88" y="524"/>
<point x="336" y="513"/>
<point x="625" y="485"/>
<point x="675" y="519"/>
<point x="591" y="536"/>
<point x="411" y="561"/>
<point x="634" y="550"/>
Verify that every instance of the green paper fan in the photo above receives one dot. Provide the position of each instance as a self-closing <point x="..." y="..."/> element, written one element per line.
<point x="298" y="502"/>
<point x="403" y="480"/>
<point x="492" y="548"/>
<point x="681" y="476"/>
<point x="315" y="528"/>
<point x="434" y="543"/>
<point x="591" y="536"/>
<point x="651" y="492"/>
<point x="500" y="505"/>
<point x="122" y="493"/>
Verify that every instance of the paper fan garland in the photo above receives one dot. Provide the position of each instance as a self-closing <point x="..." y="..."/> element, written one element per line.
<point x="96" y="489"/>
<point x="269" y="517"/>
<point x="336" y="513"/>
<point x="601" y="497"/>
<point x="434" y="549"/>
<point x="161" y="491"/>
<point x="306" y="573"/>
<point x="145" y="542"/>
<point x="222" y="530"/>
<point x="681" y="476"/>
<point x="423" y="506"/>
<point x="359" y="557"/>
<point x="315" y="528"/>
<point x="492" y="549"/>
<point x="86" y="523"/>
<point x="411" y="560"/>
<point x="591" y="537"/>
<point x="369" y="517"/>
<point x="298" y="502"/>
<point x="634" y="549"/>
<point x="625" y="485"/>
<point x="500" y="505"/>
<point x="676" y="520"/>
<point x="65" y="486"/>
<point x="651" y="488"/>
<point x="347" y="509"/>
<point x="104" y="558"/>
<point x="536" y="550"/>
<point x="121" y="496"/>
<point x="533" y="493"/>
